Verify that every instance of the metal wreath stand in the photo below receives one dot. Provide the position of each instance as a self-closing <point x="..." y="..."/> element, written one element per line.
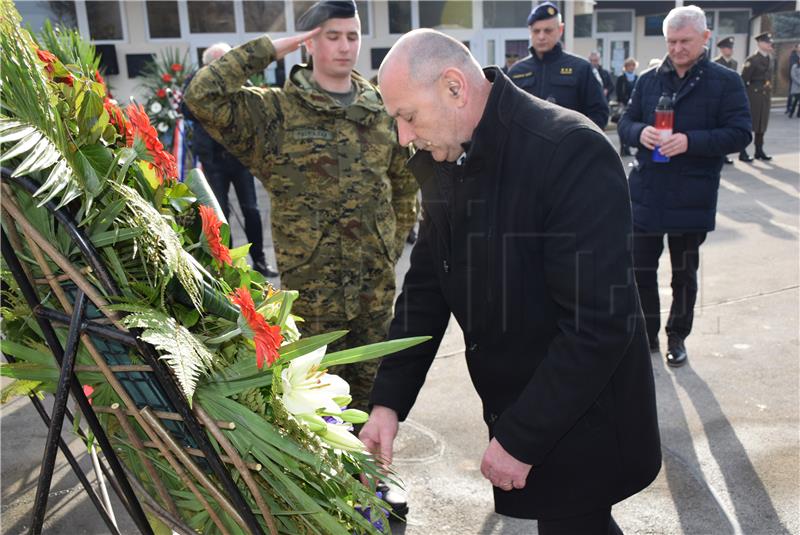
<point x="148" y="391"/>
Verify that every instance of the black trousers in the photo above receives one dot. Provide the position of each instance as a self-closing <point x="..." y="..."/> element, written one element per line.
<point x="685" y="259"/>
<point x="220" y="180"/>
<point x="595" y="523"/>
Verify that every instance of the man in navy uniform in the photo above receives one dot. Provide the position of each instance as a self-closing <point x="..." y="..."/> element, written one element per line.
<point x="557" y="76"/>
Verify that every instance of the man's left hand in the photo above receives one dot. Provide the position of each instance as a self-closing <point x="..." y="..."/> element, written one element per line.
<point x="674" y="145"/>
<point x="503" y="470"/>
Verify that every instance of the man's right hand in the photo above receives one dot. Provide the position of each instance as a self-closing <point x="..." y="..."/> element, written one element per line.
<point x="285" y="45"/>
<point x="650" y="137"/>
<point x="379" y="432"/>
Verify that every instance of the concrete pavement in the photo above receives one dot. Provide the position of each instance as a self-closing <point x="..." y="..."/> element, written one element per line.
<point x="729" y="418"/>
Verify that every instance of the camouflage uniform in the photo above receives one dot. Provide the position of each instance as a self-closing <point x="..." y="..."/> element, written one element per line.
<point x="342" y="200"/>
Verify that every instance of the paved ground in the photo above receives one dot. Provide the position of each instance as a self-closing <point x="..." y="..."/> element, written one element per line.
<point x="729" y="419"/>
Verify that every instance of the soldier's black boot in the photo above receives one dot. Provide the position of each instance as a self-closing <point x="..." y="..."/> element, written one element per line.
<point x="676" y="351"/>
<point x="761" y="155"/>
<point x="744" y="157"/>
<point x="263" y="267"/>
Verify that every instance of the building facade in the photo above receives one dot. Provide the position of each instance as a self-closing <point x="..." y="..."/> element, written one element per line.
<point x="129" y="32"/>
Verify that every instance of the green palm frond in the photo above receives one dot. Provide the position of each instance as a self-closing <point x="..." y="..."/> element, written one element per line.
<point x="20" y="387"/>
<point x="185" y="354"/>
<point x="68" y="46"/>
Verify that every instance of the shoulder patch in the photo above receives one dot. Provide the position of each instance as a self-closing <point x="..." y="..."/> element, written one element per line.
<point x="746" y="63"/>
<point x="566" y="71"/>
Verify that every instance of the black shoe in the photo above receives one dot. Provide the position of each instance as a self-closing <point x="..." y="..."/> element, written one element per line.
<point x="263" y="267"/>
<point x="411" y="239"/>
<point x="728" y="160"/>
<point x="744" y="157"/>
<point x="676" y="352"/>
<point x="654" y="347"/>
<point x="397" y="502"/>
<point x="761" y="155"/>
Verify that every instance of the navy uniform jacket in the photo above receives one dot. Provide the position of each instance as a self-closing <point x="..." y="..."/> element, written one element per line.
<point x="564" y="79"/>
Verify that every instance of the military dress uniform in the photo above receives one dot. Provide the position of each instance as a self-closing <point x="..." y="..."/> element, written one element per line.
<point x="757" y="76"/>
<point x="564" y="79"/>
<point x="342" y="200"/>
<point x="730" y="63"/>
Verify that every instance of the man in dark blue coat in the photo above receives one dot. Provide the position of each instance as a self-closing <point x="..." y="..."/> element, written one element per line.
<point x="525" y="240"/>
<point x="557" y="76"/>
<point x="679" y="198"/>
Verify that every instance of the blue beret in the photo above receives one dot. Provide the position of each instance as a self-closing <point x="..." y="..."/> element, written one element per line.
<point x="545" y="11"/>
<point x="324" y="10"/>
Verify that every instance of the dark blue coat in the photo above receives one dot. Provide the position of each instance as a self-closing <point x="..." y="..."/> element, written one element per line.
<point x="564" y="79"/>
<point x="711" y="109"/>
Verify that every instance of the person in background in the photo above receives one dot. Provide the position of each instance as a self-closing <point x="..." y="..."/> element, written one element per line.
<point x="794" y="88"/>
<point x="223" y="169"/>
<point x="757" y="76"/>
<point x="511" y="59"/>
<point x="725" y="59"/>
<point x="794" y="56"/>
<point x="602" y="75"/>
<point x="525" y="241"/>
<point x="678" y="198"/>
<point x="557" y="76"/>
<point x="625" y="83"/>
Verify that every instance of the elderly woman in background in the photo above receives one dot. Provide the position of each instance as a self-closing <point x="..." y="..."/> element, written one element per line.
<point x="625" y="84"/>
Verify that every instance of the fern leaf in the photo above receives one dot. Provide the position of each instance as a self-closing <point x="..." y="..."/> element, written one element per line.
<point x="185" y="354"/>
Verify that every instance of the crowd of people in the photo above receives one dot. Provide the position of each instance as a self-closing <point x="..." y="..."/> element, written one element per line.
<point x="532" y="235"/>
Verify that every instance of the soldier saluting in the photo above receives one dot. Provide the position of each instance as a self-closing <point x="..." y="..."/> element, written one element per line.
<point x="557" y="76"/>
<point x="325" y="149"/>
<point x="757" y="76"/>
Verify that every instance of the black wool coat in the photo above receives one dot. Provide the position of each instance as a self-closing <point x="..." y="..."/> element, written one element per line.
<point x="531" y="253"/>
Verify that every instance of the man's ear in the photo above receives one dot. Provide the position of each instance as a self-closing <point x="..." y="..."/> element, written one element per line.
<point x="454" y="84"/>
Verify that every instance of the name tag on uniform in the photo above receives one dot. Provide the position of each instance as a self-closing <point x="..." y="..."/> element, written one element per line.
<point x="521" y="75"/>
<point x="312" y="133"/>
<point x="566" y="71"/>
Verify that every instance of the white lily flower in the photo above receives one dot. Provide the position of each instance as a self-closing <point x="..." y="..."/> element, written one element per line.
<point x="337" y="434"/>
<point x="155" y="107"/>
<point x="306" y="389"/>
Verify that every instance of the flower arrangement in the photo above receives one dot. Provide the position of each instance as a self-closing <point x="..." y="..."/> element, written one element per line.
<point x="164" y="80"/>
<point x="228" y="336"/>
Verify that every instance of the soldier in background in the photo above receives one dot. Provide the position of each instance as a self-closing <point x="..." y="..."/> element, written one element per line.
<point x="757" y="76"/>
<point x="557" y="76"/>
<point x="725" y="59"/>
<point x="327" y="152"/>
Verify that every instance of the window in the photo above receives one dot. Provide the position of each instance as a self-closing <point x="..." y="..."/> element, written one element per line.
<point x="710" y="20"/>
<point x="505" y="14"/>
<point x="785" y="25"/>
<point x="105" y="20"/>
<point x="264" y="16"/>
<point x="163" y="20"/>
<point x="35" y="13"/>
<point x="399" y="16"/>
<point x="653" y="25"/>
<point x="614" y="21"/>
<point x="452" y="14"/>
<point x="376" y="56"/>
<point x="300" y="7"/>
<point x="211" y="17"/>
<point x="733" y="22"/>
<point x="583" y="25"/>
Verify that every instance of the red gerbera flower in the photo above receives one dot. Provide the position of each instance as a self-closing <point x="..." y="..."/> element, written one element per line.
<point x="88" y="390"/>
<point x="167" y="77"/>
<point x="177" y="67"/>
<point x="99" y="78"/>
<point x="161" y="93"/>
<point x="163" y="162"/>
<point x="117" y="119"/>
<point x="48" y="57"/>
<point x="211" y="226"/>
<point x="267" y="337"/>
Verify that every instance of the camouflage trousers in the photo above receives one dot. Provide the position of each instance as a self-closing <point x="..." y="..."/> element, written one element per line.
<point x="366" y="329"/>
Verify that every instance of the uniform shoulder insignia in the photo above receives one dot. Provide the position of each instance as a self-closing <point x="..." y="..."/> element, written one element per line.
<point x="746" y="63"/>
<point x="521" y="75"/>
<point x="566" y="70"/>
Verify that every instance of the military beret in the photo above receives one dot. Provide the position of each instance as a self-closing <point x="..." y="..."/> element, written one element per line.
<point x="545" y="11"/>
<point x="766" y="36"/>
<point x="324" y="10"/>
<point x="725" y="43"/>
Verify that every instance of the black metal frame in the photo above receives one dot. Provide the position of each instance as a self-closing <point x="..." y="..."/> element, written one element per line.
<point x="79" y="324"/>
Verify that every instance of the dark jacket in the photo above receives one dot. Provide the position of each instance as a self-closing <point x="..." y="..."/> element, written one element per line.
<point x="530" y="253"/>
<point x="608" y="82"/>
<point x="711" y="109"/>
<point x="564" y="79"/>
<point x="625" y="88"/>
<point x="730" y="63"/>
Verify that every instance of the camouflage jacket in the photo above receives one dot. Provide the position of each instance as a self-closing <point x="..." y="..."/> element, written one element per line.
<point x="342" y="199"/>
